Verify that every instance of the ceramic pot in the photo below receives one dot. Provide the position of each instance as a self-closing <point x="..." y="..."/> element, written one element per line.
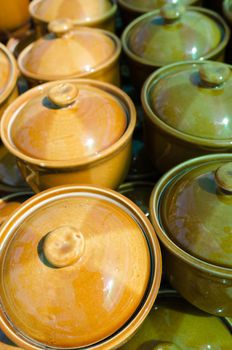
<point x="227" y="10"/>
<point x="173" y="34"/>
<point x="131" y="9"/>
<point x="91" y="13"/>
<point x="82" y="133"/>
<point x="68" y="53"/>
<point x="174" y="324"/>
<point x="8" y="78"/>
<point x="190" y="209"/>
<point x="14" y="14"/>
<point x="187" y="112"/>
<point x="100" y="270"/>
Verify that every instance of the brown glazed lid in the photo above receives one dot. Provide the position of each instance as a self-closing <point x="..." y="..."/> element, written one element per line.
<point x="66" y="122"/>
<point x="88" y="250"/>
<point x="192" y="100"/>
<point x="68" y="52"/>
<point x="175" y="33"/>
<point x="196" y="208"/>
<point x="9" y="73"/>
<point x="81" y="12"/>
<point x="149" y="5"/>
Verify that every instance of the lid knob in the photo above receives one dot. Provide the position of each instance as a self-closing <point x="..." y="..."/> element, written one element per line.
<point x="214" y="74"/>
<point x="172" y="11"/>
<point x="223" y="177"/>
<point x="166" y="346"/>
<point x="63" y="94"/>
<point x="59" y="27"/>
<point x="63" y="246"/>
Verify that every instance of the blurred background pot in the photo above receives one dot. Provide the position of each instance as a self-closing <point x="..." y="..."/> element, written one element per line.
<point x="227" y="10"/>
<point x="68" y="53"/>
<point x="108" y="255"/>
<point x="74" y="131"/>
<point x="173" y="34"/>
<point x="91" y="13"/>
<point x="190" y="209"/>
<point x="187" y="112"/>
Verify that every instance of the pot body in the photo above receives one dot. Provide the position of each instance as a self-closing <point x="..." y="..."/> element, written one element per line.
<point x="13" y="14"/>
<point x="108" y="172"/>
<point x="203" y="289"/>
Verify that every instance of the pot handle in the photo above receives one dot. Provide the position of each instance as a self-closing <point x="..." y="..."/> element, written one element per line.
<point x="223" y="177"/>
<point x="60" y="27"/>
<point x="63" y="94"/>
<point x="214" y="74"/>
<point x="172" y="11"/>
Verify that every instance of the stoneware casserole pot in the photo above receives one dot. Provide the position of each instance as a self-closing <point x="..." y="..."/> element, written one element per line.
<point x="14" y="15"/>
<point x="68" y="53"/>
<point x="91" y="13"/>
<point x="73" y="131"/>
<point x="187" y="112"/>
<point x="173" y="34"/>
<point x="190" y="209"/>
<point x="99" y="270"/>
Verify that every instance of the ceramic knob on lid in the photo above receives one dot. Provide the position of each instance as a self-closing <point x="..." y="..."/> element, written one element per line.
<point x="94" y="262"/>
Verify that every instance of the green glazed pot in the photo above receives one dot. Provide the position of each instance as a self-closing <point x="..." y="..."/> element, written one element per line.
<point x="187" y="112"/>
<point x="227" y="10"/>
<point x="190" y="209"/>
<point x="173" y="34"/>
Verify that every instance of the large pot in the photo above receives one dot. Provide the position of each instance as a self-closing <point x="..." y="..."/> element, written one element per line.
<point x="187" y="112"/>
<point x="173" y="34"/>
<point x="190" y="209"/>
<point x="14" y="14"/>
<point x="72" y="281"/>
<point x="74" y="131"/>
<point x="91" y="13"/>
<point x="68" y="53"/>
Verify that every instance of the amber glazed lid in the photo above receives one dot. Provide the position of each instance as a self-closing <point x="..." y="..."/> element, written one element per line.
<point x="81" y="12"/>
<point x="96" y="258"/>
<point x="68" y="52"/>
<point x="9" y="73"/>
<point x="90" y="118"/>
<point x="191" y="209"/>
<point x="175" y="33"/>
<point x="192" y="101"/>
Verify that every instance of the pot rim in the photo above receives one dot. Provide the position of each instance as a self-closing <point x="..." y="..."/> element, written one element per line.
<point x="155" y="199"/>
<point x="195" y="140"/>
<point x="120" y="95"/>
<point x="213" y="53"/>
<point x="46" y="77"/>
<point x="107" y="15"/>
<point x="11" y="84"/>
<point x="120" y="336"/>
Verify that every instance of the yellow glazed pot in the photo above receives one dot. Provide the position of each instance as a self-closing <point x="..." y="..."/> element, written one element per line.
<point x="68" y="53"/>
<point x="91" y="13"/>
<point x="74" y="131"/>
<point x="98" y="260"/>
<point x="14" y="14"/>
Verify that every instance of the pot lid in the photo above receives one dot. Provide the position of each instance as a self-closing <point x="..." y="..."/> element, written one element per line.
<point x="175" y="33"/>
<point x="196" y="206"/>
<point x="82" y="12"/>
<point x="149" y="5"/>
<point x="80" y="51"/>
<point x="9" y="73"/>
<point x="94" y="267"/>
<point x="174" y="324"/>
<point x="193" y="98"/>
<point x="66" y="122"/>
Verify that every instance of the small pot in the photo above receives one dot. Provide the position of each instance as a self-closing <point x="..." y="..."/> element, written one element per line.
<point x="82" y="53"/>
<point x="174" y="324"/>
<point x="190" y="209"/>
<point x="173" y="34"/>
<point x="91" y="13"/>
<point x="14" y="15"/>
<point x="131" y="9"/>
<point x="74" y="131"/>
<point x="99" y="270"/>
<point x="8" y="78"/>
<point x="187" y="112"/>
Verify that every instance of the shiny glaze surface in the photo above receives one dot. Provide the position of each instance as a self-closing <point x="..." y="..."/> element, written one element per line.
<point x="149" y="5"/>
<point x="175" y="322"/>
<point x="13" y="14"/>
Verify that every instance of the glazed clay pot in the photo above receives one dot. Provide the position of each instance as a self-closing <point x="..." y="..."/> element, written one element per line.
<point x="91" y="13"/>
<point x="82" y="133"/>
<point x="14" y="14"/>
<point x="68" y="53"/>
<point x="173" y="34"/>
<point x="131" y="9"/>
<point x="187" y="112"/>
<point x="190" y="209"/>
<point x="100" y="270"/>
